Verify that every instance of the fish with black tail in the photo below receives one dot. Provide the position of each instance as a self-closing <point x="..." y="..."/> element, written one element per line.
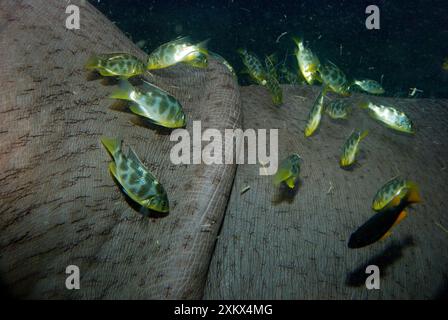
<point x="379" y="226"/>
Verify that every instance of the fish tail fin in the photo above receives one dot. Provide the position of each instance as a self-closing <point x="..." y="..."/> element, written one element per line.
<point x="363" y="134"/>
<point x="414" y="194"/>
<point x="93" y="62"/>
<point x="112" y="145"/>
<point x="124" y="91"/>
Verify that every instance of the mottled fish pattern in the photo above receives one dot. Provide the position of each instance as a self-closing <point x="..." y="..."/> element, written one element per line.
<point x="152" y="103"/>
<point x="116" y="64"/>
<point x="334" y="78"/>
<point x="178" y="50"/>
<point x="396" y="187"/>
<point x="369" y="86"/>
<point x="308" y="62"/>
<point x="390" y="116"/>
<point x="288" y="171"/>
<point x="315" y="114"/>
<point x="351" y="148"/>
<point x="338" y="109"/>
<point x="254" y="67"/>
<point x="137" y="181"/>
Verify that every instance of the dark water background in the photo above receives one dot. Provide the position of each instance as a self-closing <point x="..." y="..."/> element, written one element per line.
<point x="407" y="51"/>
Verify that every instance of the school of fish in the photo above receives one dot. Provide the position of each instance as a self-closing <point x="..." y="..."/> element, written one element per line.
<point x="159" y="107"/>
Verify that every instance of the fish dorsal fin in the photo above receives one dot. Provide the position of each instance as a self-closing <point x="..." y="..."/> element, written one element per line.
<point x="139" y="166"/>
<point x="152" y="87"/>
<point x="180" y="39"/>
<point x="395" y="201"/>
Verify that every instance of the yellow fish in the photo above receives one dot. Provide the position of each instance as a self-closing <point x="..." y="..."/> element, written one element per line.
<point x="308" y="62"/>
<point x="137" y="181"/>
<point x="288" y="171"/>
<point x="351" y="148"/>
<point x="393" y="192"/>
<point x="254" y="67"/>
<point x="315" y="114"/>
<point x="379" y="226"/>
<point x="153" y="103"/>
<point x="390" y="116"/>
<point x="116" y="64"/>
<point x="178" y="50"/>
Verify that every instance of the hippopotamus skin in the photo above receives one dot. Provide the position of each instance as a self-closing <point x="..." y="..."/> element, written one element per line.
<point x="59" y="204"/>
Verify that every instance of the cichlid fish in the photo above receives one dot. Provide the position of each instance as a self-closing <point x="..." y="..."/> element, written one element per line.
<point x="369" y="86"/>
<point x="116" y="64"/>
<point x="334" y="78"/>
<point x="308" y="62"/>
<point x="153" y="103"/>
<point x="223" y="61"/>
<point x="254" y="67"/>
<point x="338" y="109"/>
<point x="178" y="50"/>
<point x="379" y="225"/>
<point x="137" y="181"/>
<point x="389" y="116"/>
<point x="276" y="91"/>
<point x="393" y="192"/>
<point x="272" y="83"/>
<point x="288" y="171"/>
<point x="351" y="148"/>
<point x="270" y="62"/>
<point x="315" y="114"/>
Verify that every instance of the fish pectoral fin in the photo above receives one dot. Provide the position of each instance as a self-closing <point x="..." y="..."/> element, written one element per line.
<point x="386" y="235"/>
<point x="138" y="110"/>
<point x="105" y="73"/>
<point x="395" y="201"/>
